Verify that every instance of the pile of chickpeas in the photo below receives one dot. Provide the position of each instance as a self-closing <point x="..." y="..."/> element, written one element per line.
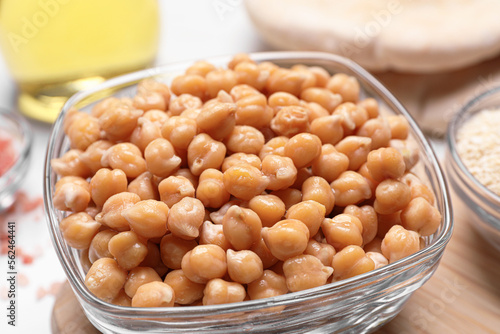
<point x="238" y="184"/>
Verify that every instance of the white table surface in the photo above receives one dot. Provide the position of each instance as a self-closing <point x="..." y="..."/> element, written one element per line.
<point x="190" y="30"/>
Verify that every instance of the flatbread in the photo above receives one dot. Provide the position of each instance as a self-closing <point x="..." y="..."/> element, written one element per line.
<point x="420" y="36"/>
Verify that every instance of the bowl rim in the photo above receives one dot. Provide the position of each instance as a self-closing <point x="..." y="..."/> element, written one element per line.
<point x="368" y="80"/>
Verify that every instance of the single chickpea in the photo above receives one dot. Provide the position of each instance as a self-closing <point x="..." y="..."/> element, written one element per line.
<point x="317" y="189"/>
<point x="364" y="172"/>
<point x="287" y="238"/>
<point x="385" y="163"/>
<point x="127" y="157"/>
<point x="203" y="263"/>
<point x="217" y="291"/>
<point x="217" y="120"/>
<point x="314" y="111"/>
<point x="173" y="249"/>
<point x="323" y="97"/>
<point x="139" y="276"/>
<point x="269" y="208"/>
<point x="302" y="175"/>
<point x="399" y="243"/>
<point x="347" y="86"/>
<point x="149" y="100"/>
<point x="253" y="111"/>
<point x="105" y="279"/>
<point x="353" y="117"/>
<point x="183" y="102"/>
<point x="323" y="251"/>
<point x="285" y="80"/>
<point x="408" y="149"/>
<point x="274" y="146"/>
<point x="267" y="258"/>
<point x="119" y="121"/>
<point x="268" y="66"/>
<point x="147" y="218"/>
<point x="241" y="227"/>
<point x="72" y="193"/>
<point x="280" y="171"/>
<point x="418" y="189"/>
<point x="174" y="188"/>
<point x="391" y="196"/>
<point x="153" y="258"/>
<point x="322" y="75"/>
<point x="371" y="107"/>
<point x="420" y="216"/>
<point x="179" y="131"/>
<point x="144" y="187"/>
<point x="211" y="191"/>
<point x="343" y="230"/>
<point x="204" y="152"/>
<point x="151" y="85"/>
<point x="84" y="132"/>
<point x="269" y="284"/>
<point x="309" y="212"/>
<point x="161" y="158"/>
<point x="378" y="130"/>
<point x="399" y="126"/>
<point x="213" y="234"/>
<point x="330" y="164"/>
<point x="97" y="110"/>
<point x="279" y="100"/>
<point x="239" y="58"/>
<point x="242" y="90"/>
<point x="78" y="229"/>
<point x="93" y="155"/>
<point x="329" y="129"/>
<point x="70" y="164"/>
<point x="98" y="248"/>
<point x="249" y="73"/>
<point x="191" y="84"/>
<point x="122" y="299"/>
<point x="200" y="67"/>
<point x="386" y="222"/>
<point x="186" y="292"/>
<point x="217" y="216"/>
<point x="350" y="188"/>
<point x="378" y="259"/>
<point x="289" y="196"/>
<point x="127" y="249"/>
<point x="145" y="132"/>
<point x="244" y="181"/>
<point x="290" y="120"/>
<point x="106" y="183"/>
<point x="368" y="217"/>
<point x="351" y="261"/>
<point x="305" y="272"/>
<point x="374" y="246"/>
<point x="356" y="149"/>
<point x="158" y="117"/>
<point x="220" y="79"/>
<point x="303" y="148"/>
<point x="243" y="266"/>
<point x="185" y="218"/>
<point x="245" y="139"/>
<point x="185" y="172"/>
<point x="112" y="209"/>
<point x="154" y="294"/>
<point x="240" y="159"/>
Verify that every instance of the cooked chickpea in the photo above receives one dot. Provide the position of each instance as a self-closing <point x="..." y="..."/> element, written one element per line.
<point x="374" y="246"/>
<point x="391" y="196"/>
<point x="239" y="58"/>
<point x="317" y="189"/>
<point x="303" y="148"/>
<point x="122" y="299"/>
<point x="119" y="120"/>
<point x="280" y="171"/>
<point x="330" y="164"/>
<point x="356" y="149"/>
<point x="305" y="272"/>
<point x="211" y="191"/>
<point x="350" y="188"/>
<point x="217" y="291"/>
<point x="83" y="132"/>
<point x="191" y="84"/>
<point x="269" y="284"/>
<point x="184" y="102"/>
<point x="244" y="266"/>
<point x="106" y="183"/>
<point x="353" y="117"/>
<point x="420" y="216"/>
<point x="161" y="158"/>
<point x="220" y="79"/>
<point x="217" y="120"/>
<point x="186" y="292"/>
<point x="105" y="279"/>
<point x="378" y="259"/>
<point x="314" y="111"/>
<point x="93" y="155"/>
<point x="347" y="86"/>
<point x="286" y="80"/>
<point x="242" y="90"/>
<point x="185" y="218"/>
<point x="371" y="107"/>
<point x="112" y="209"/>
<point x="70" y="164"/>
<point x="72" y="193"/>
<point x="147" y="218"/>
<point x="290" y="120"/>
<point x="200" y="67"/>
<point x="139" y="276"/>
<point x="274" y="146"/>
<point x="153" y="258"/>
<point x="343" y="230"/>
<point x="364" y="172"/>
<point x="279" y="100"/>
<point x="174" y="188"/>
<point x="378" y="130"/>
<point x="249" y="73"/>
<point x="185" y="172"/>
<point x="351" y="261"/>
<point x="218" y="215"/>
<point x="269" y="208"/>
<point x="408" y="149"/>
<point x="149" y="100"/>
<point x="203" y="263"/>
<point x="399" y="126"/>
<point x="99" y="245"/>
<point x="151" y="85"/>
<point x="241" y="227"/>
<point x="399" y="243"/>
<point x="127" y="249"/>
<point x="385" y="163"/>
<point x="418" y="189"/>
<point x="302" y="175"/>
<point x="213" y="234"/>
<point x="244" y="181"/>
<point x="158" y="117"/>
<point x="323" y="97"/>
<point x="323" y="251"/>
<point x="253" y="111"/>
<point x="245" y="139"/>
<point x="179" y="131"/>
<point x="239" y="159"/>
<point x="127" y="157"/>
<point x="144" y="187"/>
<point x="368" y="217"/>
<point x="309" y="212"/>
<point x="97" y="110"/>
<point x="79" y="229"/>
<point x="289" y="196"/>
<point x="154" y="294"/>
<point x="267" y="258"/>
<point x="385" y="222"/>
<point x="287" y="238"/>
<point x="173" y="249"/>
<point x="204" y="152"/>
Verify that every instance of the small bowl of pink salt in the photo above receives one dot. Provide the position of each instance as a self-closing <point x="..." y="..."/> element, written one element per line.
<point x="473" y="164"/>
<point x="15" y="147"/>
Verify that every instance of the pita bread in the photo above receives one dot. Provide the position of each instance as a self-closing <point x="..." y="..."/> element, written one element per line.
<point x="404" y="35"/>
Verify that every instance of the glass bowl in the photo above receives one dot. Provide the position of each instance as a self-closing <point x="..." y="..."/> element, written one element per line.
<point x="15" y="131"/>
<point x="481" y="205"/>
<point x="360" y="304"/>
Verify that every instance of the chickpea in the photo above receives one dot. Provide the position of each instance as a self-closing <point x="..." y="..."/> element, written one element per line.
<point x="420" y="216"/>
<point x="173" y="249"/>
<point x="253" y="111"/>
<point x="347" y="86"/>
<point x="244" y="266"/>
<point x="105" y="279"/>
<point x="145" y="132"/>
<point x="328" y="128"/>
<point x="72" y="193"/>
<point x="305" y="272"/>
<point x="244" y="181"/>
<point x="323" y="97"/>
<point x="211" y="191"/>
<point x="418" y="189"/>
<point x="408" y="149"/>
<point x="385" y="163"/>
<point x="70" y="164"/>
<point x="245" y="139"/>
<point x="151" y="85"/>
<point x="185" y="218"/>
<point x="302" y="175"/>
<point x="191" y="84"/>
<point x="78" y="229"/>
<point x="213" y="234"/>
<point x="368" y="217"/>
<point x="385" y="222"/>
<point x="122" y="299"/>
<point x="184" y="102"/>
<point x="280" y="171"/>
<point x="153" y="258"/>
<point x="351" y="261"/>
<point x="269" y="208"/>
<point x="353" y="117"/>
<point x="157" y="117"/>
<point x="200" y="67"/>
<point x="241" y="158"/>
<point x="139" y="276"/>
<point x="220" y="79"/>
<point x="250" y="74"/>
<point x="217" y="120"/>
<point x="93" y="155"/>
<point x="371" y="107"/>
<point x="323" y="251"/>
<point x="279" y="100"/>
<point x="179" y="131"/>
<point x="314" y="111"/>
<point x="186" y="292"/>
<point x="147" y="218"/>
<point x="127" y="157"/>
<point x="239" y="58"/>
<point x="98" y="248"/>
<point x="356" y="149"/>
<point x="309" y="212"/>
<point x="391" y="196"/>
<point x="185" y="172"/>
<point x="161" y="158"/>
<point x="97" y="110"/>
<point x="203" y="263"/>
<point x="303" y="148"/>
<point x="378" y="130"/>
<point x="289" y="196"/>
<point x="204" y="152"/>
<point x="364" y="172"/>
<point x="119" y="120"/>
<point x="243" y="90"/>
<point x="267" y="258"/>
<point x="154" y="294"/>
<point x="274" y="146"/>
<point x="399" y="243"/>
<point x="218" y="291"/>
<point x="83" y="132"/>
<point x="112" y="209"/>
<point x="287" y="238"/>
<point x="269" y="284"/>
<point x="350" y="188"/>
<point x="399" y="126"/>
<point x="174" y="188"/>
<point x="330" y="164"/>
<point x="317" y="189"/>
<point x="285" y="80"/>
<point x="218" y="215"/>
<point x="106" y="183"/>
<point x="343" y="230"/>
<point x="378" y="259"/>
<point x="241" y="227"/>
<point x="127" y="249"/>
<point x="290" y="120"/>
<point x="149" y="100"/>
<point x="144" y="187"/>
<point x="374" y="246"/>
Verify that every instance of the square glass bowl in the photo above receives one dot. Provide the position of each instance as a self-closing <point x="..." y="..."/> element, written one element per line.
<point x="360" y="304"/>
<point x="481" y="205"/>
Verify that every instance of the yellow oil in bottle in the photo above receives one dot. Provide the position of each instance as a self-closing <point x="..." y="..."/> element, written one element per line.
<point x="55" y="48"/>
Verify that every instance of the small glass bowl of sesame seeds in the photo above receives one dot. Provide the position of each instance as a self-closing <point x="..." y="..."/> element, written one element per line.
<point x="473" y="164"/>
